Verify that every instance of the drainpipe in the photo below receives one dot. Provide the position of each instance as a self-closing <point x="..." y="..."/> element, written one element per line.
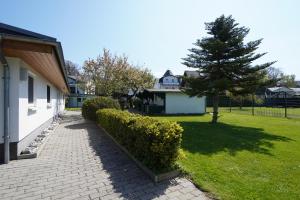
<point x="6" y="103"/>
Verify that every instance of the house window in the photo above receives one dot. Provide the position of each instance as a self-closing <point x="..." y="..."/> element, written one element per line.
<point x="78" y="100"/>
<point x="30" y="89"/>
<point x="48" y="94"/>
<point x="72" y="90"/>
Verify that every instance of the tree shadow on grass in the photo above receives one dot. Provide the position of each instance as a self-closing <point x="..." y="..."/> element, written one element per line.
<point x="207" y="138"/>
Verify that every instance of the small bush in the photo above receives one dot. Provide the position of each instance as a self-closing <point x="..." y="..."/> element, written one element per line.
<point x="154" y="143"/>
<point x="90" y="106"/>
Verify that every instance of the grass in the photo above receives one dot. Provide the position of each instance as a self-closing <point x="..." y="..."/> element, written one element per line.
<point x="242" y="157"/>
<point x="263" y="111"/>
<point x="73" y="109"/>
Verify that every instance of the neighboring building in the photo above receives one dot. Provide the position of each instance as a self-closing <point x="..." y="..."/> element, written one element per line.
<point x="74" y="85"/>
<point x="77" y="95"/>
<point x="167" y="98"/>
<point x="282" y="92"/>
<point x="297" y="84"/>
<point x="172" y="101"/>
<point x="191" y="74"/>
<point x="282" y="97"/>
<point x="296" y="92"/>
<point x="168" y="81"/>
<point x="32" y="89"/>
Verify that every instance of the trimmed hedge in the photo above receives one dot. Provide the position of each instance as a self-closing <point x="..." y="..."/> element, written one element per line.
<point x="154" y="143"/>
<point x="90" y="106"/>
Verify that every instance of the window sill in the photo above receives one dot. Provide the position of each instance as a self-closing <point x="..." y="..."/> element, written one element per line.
<point x="32" y="108"/>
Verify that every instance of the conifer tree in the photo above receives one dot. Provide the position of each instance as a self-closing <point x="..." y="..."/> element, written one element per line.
<point x="225" y="63"/>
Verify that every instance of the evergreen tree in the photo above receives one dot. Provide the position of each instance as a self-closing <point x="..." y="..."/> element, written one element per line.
<point x="224" y="63"/>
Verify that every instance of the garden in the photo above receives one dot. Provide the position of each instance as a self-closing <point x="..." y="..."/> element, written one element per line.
<point x="153" y="143"/>
<point x="242" y="157"/>
<point x="229" y="155"/>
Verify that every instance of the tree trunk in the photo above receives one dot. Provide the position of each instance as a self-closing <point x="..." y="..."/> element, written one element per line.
<point x="215" y="108"/>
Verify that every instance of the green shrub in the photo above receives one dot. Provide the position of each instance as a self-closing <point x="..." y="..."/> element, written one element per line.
<point x="90" y="106"/>
<point x="154" y="143"/>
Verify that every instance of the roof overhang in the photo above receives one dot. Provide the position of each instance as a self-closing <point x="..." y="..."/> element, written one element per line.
<point x="164" y="90"/>
<point x="45" y="57"/>
<point x="280" y="89"/>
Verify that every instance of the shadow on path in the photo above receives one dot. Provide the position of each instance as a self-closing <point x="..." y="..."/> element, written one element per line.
<point x="123" y="174"/>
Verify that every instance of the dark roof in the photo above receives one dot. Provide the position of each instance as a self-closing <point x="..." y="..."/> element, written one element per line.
<point x="193" y="74"/>
<point x="168" y="73"/>
<point x="279" y="89"/>
<point x="12" y="30"/>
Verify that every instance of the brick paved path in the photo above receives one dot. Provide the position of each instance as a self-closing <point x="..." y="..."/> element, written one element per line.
<point x="80" y="162"/>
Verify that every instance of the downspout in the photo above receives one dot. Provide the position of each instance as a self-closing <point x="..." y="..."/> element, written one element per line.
<point x="6" y="103"/>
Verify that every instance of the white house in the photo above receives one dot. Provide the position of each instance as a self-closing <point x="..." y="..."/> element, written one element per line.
<point x="168" y="81"/>
<point x="167" y="98"/>
<point x="77" y="95"/>
<point x="172" y="101"/>
<point x="32" y="89"/>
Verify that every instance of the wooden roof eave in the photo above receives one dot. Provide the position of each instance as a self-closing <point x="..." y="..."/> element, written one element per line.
<point x="24" y="48"/>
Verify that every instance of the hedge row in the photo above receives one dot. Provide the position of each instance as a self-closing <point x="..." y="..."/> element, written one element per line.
<point x="90" y="106"/>
<point x="154" y="143"/>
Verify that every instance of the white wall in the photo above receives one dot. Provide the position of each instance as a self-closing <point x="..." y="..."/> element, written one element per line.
<point x="180" y="103"/>
<point x="22" y="120"/>
<point x="13" y="96"/>
<point x="30" y="119"/>
<point x="14" y="64"/>
<point x="171" y="80"/>
<point x="158" y="100"/>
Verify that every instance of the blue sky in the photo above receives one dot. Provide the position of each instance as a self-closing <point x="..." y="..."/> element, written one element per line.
<point x="157" y="33"/>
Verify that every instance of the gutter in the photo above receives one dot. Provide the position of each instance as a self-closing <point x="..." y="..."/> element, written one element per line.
<point x="6" y="78"/>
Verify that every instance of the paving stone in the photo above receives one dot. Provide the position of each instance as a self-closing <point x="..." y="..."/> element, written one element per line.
<point x="79" y="162"/>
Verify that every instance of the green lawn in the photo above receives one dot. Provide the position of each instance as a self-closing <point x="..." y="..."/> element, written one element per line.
<point x="242" y="157"/>
<point x="263" y="111"/>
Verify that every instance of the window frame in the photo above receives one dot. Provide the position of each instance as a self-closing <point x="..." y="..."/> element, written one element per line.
<point x="30" y="90"/>
<point x="71" y="90"/>
<point x="48" y="94"/>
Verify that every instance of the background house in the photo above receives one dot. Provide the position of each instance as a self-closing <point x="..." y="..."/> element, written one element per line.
<point x="282" y="97"/>
<point x="77" y="94"/>
<point x="168" y="81"/>
<point x="171" y="101"/>
<point x="167" y="98"/>
<point x="33" y="65"/>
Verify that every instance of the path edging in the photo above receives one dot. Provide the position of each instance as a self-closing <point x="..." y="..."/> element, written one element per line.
<point x="39" y="148"/>
<point x="154" y="177"/>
